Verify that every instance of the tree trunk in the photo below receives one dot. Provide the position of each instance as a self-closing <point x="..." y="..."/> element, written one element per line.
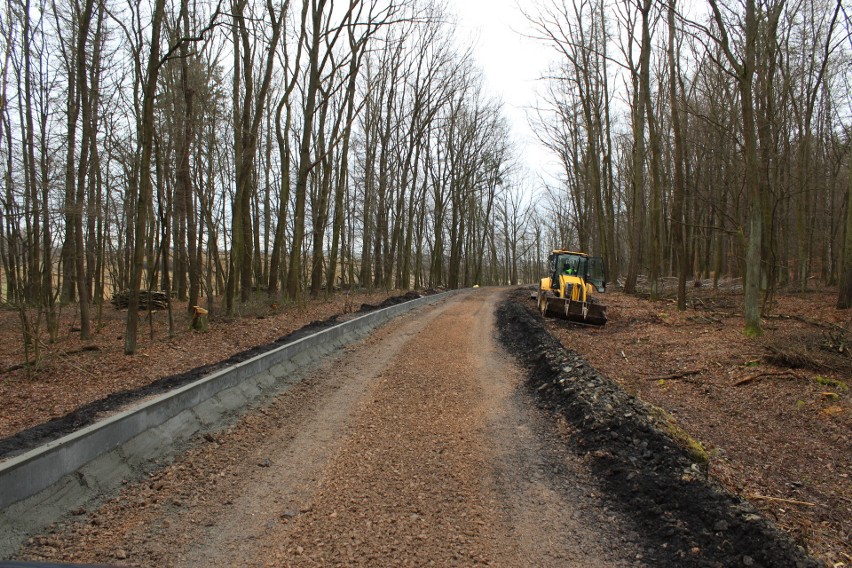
<point x="337" y="227"/>
<point x="294" y="271"/>
<point x="844" y="297"/>
<point x="678" y="227"/>
<point x="146" y="141"/>
<point x="283" y="139"/>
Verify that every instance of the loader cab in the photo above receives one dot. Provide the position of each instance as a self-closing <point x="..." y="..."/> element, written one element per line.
<point x="596" y="275"/>
<point x="589" y="268"/>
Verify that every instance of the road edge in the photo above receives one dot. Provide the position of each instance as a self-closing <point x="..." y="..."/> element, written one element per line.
<point x="642" y="471"/>
<point x="41" y="485"/>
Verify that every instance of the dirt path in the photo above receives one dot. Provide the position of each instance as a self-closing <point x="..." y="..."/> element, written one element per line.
<point x="415" y="447"/>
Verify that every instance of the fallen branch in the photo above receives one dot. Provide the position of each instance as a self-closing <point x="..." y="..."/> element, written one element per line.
<point x="779" y="500"/>
<point x="68" y="360"/>
<point x="794" y="358"/>
<point x="680" y="375"/>
<point x="705" y="319"/>
<point x="781" y="375"/>
<point x="48" y="352"/>
<point x="17" y="367"/>
<point x="809" y="321"/>
<point x="82" y="349"/>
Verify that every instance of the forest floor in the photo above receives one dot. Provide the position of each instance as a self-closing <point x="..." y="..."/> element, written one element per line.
<point x="773" y="413"/>
<point x="72" y="379"/>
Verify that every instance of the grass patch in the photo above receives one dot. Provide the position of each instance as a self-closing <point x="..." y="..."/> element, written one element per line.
<point x="832" y="383"/>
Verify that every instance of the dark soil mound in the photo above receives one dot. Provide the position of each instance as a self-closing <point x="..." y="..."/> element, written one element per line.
<point x="687" y="520"/>
<point x="392" y="301"/>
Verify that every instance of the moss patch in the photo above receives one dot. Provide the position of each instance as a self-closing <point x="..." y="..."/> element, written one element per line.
<point x="694" y="448"/>
<point x="833" y="383"/>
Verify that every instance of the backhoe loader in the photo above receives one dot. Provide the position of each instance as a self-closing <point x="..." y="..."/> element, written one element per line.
<point x="569" y="290"/>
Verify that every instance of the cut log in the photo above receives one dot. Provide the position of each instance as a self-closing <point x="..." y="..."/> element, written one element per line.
<point x="158" y="299"/>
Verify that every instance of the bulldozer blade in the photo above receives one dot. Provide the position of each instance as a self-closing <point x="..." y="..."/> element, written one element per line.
<point x="595" y="313"/>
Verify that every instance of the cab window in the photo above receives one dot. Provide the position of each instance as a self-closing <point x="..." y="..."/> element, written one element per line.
<point x="597" y="273"/>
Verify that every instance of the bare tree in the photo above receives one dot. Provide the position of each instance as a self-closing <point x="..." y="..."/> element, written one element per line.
<point x="744" y="68"/>
<point x="247" y="116"/>
<point x="145" y="197"/>
<point x="577" y="33"/>
<point x="319" y="26"/>
<point x="679" y="183"/>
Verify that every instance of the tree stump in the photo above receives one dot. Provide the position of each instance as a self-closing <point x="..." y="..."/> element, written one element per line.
<point x="199" y="318"/>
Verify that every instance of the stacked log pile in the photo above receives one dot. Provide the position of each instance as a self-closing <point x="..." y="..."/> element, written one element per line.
<point x="158" y="299"/>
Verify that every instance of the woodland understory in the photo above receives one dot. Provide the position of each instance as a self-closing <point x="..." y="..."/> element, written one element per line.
<point x="282" y="149"/>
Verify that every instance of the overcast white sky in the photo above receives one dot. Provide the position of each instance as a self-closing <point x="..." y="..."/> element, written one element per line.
<point x="512" y="65"/>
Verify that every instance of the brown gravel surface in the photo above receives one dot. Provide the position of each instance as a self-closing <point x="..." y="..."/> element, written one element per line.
<point x="414" y="447"/>
<point x="782" y="437"/>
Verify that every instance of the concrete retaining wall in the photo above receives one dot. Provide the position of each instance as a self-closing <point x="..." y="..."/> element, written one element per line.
<point x="42" y="484"/>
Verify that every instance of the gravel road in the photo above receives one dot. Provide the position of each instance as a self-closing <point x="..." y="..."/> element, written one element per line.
<point x="417" y="446"/>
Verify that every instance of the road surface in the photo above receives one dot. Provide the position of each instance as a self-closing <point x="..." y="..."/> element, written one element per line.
<point x="417" y="446"/>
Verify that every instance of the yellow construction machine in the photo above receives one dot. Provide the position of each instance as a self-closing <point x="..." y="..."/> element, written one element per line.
<point x="569" y="290"/>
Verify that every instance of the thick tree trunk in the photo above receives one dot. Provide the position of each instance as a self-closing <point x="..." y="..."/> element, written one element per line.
<point x="678" y="227"/>
<point x="337" y="228"/>
<point x="752" y="180"/>
<point x="185" y="247"/>
<point x="283" y="140"/>
<point x="294" y="271"/>
<point x="248" y="116"/>
<point x="844" y="297"/>
<point x="637" y="185"/>
<point x="146" y="141"/>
